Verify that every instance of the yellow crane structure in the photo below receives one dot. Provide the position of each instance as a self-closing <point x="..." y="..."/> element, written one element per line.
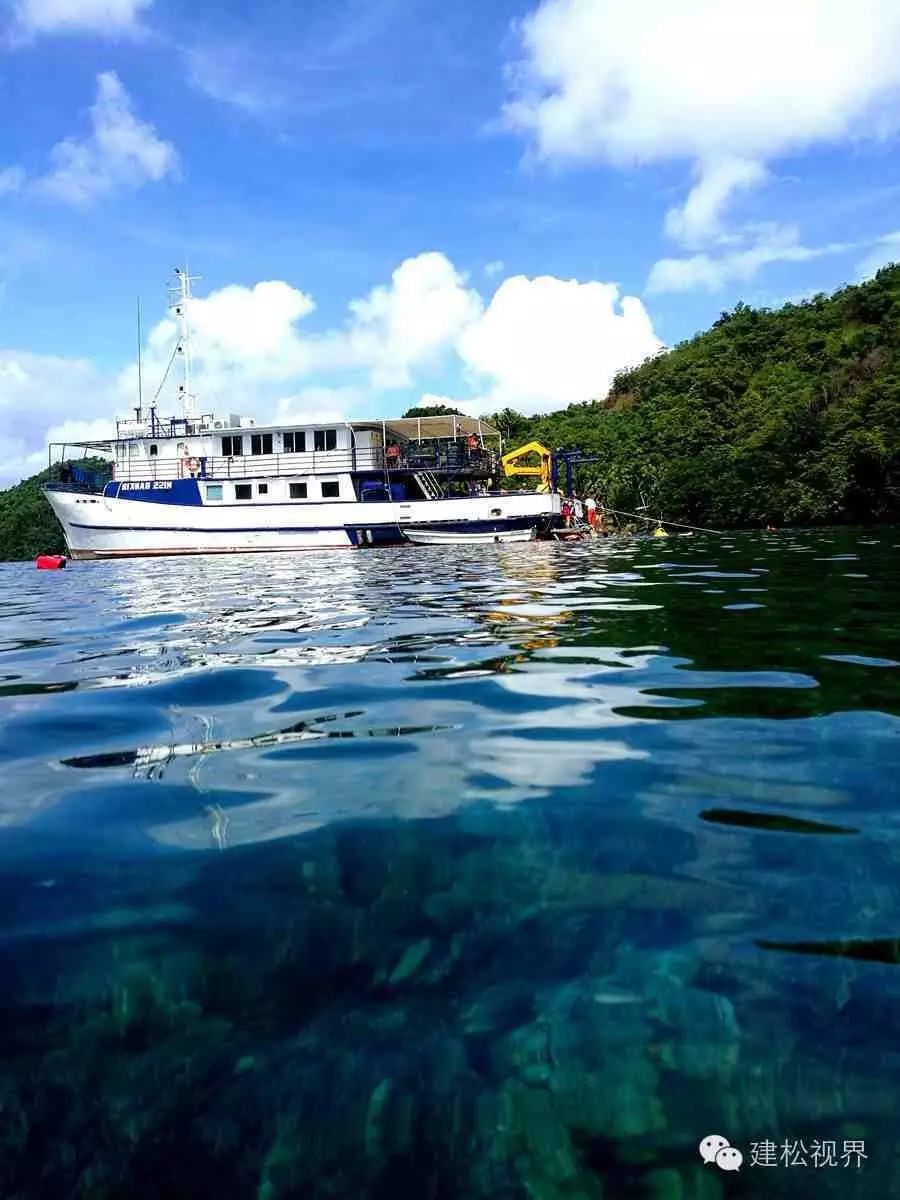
<point x="511" y="465"/>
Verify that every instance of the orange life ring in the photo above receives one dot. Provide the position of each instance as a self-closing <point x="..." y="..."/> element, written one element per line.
<point x="189" y="466"/>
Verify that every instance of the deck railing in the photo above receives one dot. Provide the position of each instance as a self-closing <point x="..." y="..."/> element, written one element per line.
<point x="250" y="466"/>
<point x="445" y="458"/>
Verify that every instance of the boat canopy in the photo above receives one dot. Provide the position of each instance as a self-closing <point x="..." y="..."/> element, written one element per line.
<point x="422" y="428"/>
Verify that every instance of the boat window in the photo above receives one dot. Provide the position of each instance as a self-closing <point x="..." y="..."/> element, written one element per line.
<point x="298" y="491"/>
<point x="214" y="491"/>
<point x="263" y="489"/>
<point x="295" y="443"/>
<point x="242" y="491"/>
<point x="232" y="446"/>
<point x="330" y="490"/>
<point x="154" y="450"/>
<point x="261" y="443"/>
<point x="326" y="439"/>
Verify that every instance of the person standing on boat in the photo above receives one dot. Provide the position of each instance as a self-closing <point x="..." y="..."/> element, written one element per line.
<point x="590" y="509"/>
<point x="566" y="511"/>
<point x="577" y="507"/>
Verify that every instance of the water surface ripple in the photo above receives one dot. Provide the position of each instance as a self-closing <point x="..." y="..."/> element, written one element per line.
<point x="495" y="871"/>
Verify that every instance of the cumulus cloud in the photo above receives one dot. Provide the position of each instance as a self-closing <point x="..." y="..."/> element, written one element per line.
<point x="410" y="322"/>
<point x="244" y="337"/>
<point x="105" y="17"/>
<point x="726" y="87"/>
<point x="713" y="272"/>
<point x="120" y="152"/>
<point x="242" y="331"/>
<point x="549" y="342"/>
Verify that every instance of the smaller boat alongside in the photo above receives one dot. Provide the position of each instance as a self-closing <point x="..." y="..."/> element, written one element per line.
<point x="440" y="537"/>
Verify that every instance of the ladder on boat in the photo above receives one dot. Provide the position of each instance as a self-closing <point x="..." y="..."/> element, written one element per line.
<point x="429" y="484"/>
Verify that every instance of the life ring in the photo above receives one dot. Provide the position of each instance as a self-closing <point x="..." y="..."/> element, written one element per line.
<point x="189" y="466"/>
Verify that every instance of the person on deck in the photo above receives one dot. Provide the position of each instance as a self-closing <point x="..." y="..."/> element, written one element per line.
<point x="590" y="510"/>
<point x="393" y="455"/>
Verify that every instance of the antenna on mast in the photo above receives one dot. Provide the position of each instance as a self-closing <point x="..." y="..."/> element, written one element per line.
<point x="140" y="407"/>
<point x="181" y="298"/>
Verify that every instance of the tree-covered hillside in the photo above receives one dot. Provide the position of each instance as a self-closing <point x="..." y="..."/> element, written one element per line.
<point x="27" y="524"/>
<point x="789" y="416"/>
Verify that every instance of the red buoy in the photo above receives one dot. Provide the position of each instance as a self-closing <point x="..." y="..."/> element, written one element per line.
<point x="50" y="562"/>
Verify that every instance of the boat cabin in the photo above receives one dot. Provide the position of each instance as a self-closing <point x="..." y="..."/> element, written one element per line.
<point x="234" y="460"/>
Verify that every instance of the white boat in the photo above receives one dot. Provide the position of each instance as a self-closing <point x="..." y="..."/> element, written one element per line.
<point x="201" y="484"/>
<point x="441" y="537"/>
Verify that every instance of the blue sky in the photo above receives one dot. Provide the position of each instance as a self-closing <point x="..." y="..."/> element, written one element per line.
<point x="500" y="151"/>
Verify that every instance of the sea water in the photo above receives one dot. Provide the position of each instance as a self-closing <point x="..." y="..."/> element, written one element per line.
<point x="461" y="872"/>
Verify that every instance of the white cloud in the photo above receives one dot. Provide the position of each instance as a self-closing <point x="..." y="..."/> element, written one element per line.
<point x="698" y="219"/>
<point x="545" y="342"/>
<point x="409" y="323"/>
<point x="886" y="250"/>
<point x="321" y="404"/>
<point x="35" y="391"/>
<point x="726" y="87"/>
<point x="106" y="17"/>
<point x="120" y="151"/>
<point x="246" y="337"/>
<point x="712" y="273"/>
<point x="232" y="75"/>
<point x="494" y="268"/>
<point x="247" y="325"/>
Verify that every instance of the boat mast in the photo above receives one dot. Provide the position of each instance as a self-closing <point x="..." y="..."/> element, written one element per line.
<point x="181" y="304"/>
<point x="140" y="365"/>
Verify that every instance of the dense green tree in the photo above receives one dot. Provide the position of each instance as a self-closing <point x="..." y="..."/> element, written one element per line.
<point x="433" y="410"/>
<point x="27" y="524"/>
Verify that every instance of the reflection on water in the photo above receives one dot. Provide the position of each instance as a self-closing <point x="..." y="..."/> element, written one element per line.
<point x="495" y="872"/>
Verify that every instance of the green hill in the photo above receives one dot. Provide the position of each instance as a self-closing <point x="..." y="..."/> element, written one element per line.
<point x="27" y="524"/>
<point x="789" y="416"/>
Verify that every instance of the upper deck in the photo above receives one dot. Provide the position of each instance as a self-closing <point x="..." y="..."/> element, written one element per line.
<point x="205" y="447"/>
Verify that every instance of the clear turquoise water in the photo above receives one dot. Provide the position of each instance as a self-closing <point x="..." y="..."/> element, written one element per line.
<point x="506" y="872"/>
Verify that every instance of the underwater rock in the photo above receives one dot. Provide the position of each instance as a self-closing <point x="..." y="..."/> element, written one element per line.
<point x="538" y="1143"/>
<point x="701" y="1035"/>
<point x="595" y="1064"/>
<point x="375" y="1116"/>
<point x="411" y="961"/>
<point x="500" y="1007"/>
